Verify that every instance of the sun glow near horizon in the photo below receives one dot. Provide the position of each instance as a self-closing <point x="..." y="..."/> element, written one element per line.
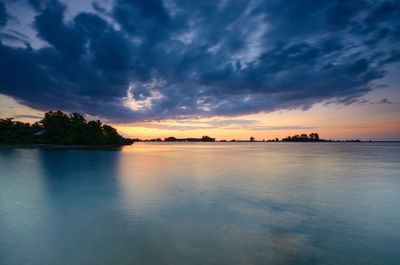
<point x="359" y="121"/>
<point x="331" y="122"/>
<point x="369" y="120"/>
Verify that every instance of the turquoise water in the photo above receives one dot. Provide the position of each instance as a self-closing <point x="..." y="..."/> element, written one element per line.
<point x="202" y="203"/>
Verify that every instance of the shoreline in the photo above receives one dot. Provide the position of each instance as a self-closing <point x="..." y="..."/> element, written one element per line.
<point x="233" y="142"/>
<point x="55" y="146"/>
<point x="110" y="147"/>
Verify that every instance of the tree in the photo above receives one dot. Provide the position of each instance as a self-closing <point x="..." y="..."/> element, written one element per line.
<point x="314" y="136"/>
<point x="16" y="132"/>
<point x="207" y="139"/>
<point x="59" y="128"/>
<point x="111" y="135"/>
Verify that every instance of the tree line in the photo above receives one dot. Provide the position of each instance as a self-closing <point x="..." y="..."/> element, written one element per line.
<point x="312" y="137"/>
<point x="59" y="128"/>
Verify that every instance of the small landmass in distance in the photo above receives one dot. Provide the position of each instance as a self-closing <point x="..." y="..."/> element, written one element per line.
<point x="60" y="129"/>
<point x="312" y="137"/>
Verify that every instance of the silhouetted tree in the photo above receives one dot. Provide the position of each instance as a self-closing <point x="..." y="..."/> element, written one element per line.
<point x="312" y="137"/>
<point x="59" y="128"/>
<point x="16" y="132"/>
<point x="207" y="139"/>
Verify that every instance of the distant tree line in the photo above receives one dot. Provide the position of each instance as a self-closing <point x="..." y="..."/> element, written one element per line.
<point x="174" y="139"/>
<point x="58" y="128"/>
<point x="312" y="137"/>
<point x="202" y="139"/>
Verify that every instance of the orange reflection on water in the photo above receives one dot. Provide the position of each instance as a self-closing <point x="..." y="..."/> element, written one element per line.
<point x="151" y="174"/>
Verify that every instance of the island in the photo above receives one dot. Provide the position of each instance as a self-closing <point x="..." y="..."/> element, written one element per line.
<point x="305" y="138"/>
<point x="58" y="129"/>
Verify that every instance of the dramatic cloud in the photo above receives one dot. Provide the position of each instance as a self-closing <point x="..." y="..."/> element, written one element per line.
<point x="138" y="60"/>
<point x="3" y="15"/>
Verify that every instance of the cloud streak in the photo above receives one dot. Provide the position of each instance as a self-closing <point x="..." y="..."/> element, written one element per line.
<point x="227" y="124"/>
<point x="172" y="59"/>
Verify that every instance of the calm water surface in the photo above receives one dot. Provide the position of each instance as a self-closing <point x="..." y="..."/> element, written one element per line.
<point x="216" y="203"/>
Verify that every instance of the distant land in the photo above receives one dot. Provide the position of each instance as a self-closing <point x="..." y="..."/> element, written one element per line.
<point x="58" y="129"/>
<point x="312" y="137"/>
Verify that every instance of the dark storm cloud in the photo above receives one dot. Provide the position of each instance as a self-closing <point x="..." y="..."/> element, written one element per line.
<point x="98" y="7"/>
<point x="150" y="60"/>
<point x="51" y="28"/>
<point x="37" y="4"/>
<point x="3" y="14"/>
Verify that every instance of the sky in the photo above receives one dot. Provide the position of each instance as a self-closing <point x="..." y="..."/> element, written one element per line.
<point x="229" y="69"/>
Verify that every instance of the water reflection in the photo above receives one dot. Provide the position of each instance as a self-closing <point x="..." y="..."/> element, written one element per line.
<point x="23" y="206"/>
<point x="201" y="204"/>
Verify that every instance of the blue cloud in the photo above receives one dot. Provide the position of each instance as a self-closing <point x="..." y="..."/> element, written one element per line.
<point x="151" y="60"/>
<point x="3" y="14"/>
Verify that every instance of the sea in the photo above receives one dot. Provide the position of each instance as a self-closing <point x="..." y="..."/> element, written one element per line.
<point x="201" y="203"/>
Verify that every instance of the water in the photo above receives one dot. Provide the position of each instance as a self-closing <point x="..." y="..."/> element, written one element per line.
<point x="202" y="203"/>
